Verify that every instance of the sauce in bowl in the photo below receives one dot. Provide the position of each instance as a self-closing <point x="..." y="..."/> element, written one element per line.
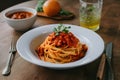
<point x="20" y="15"/>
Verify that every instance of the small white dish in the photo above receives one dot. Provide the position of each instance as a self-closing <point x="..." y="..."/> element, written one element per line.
<point x="20" y="24"/>
<point x="26" y="45"/>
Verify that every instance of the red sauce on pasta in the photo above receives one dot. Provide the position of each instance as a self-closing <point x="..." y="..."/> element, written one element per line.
<point x="62" y="48"/>
<point x="64" y="39"/>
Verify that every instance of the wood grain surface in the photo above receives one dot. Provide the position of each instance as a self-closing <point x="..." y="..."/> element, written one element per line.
<point x="23" y="70"/>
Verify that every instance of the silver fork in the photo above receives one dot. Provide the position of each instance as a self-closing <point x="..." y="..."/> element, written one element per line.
<point x="6" y="71"/>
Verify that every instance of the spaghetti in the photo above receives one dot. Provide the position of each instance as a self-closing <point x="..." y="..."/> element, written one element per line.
<point x="62" y="48"/>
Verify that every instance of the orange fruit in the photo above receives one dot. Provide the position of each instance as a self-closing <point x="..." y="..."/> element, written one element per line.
<point x="51" y="7"/>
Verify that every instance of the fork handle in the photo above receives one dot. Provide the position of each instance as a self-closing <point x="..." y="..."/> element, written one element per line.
<point x="6" y="71"/>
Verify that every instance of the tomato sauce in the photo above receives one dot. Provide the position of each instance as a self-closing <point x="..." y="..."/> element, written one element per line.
<point x="20" y="15"/>
<point x="63" y="39"/>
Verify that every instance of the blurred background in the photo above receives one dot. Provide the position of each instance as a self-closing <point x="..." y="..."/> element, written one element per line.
<point x="8" y="3"/>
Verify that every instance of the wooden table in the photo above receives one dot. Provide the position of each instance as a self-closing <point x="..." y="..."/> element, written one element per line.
<point x="23" y="70"/>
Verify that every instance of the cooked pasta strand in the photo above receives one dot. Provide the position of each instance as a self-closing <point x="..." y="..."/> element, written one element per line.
<point x="63" y="48"/>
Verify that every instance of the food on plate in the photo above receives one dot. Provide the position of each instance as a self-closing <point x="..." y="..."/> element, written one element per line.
<point x="61" y="46"/>
<point x="20" y="15"/>
<point x="51" y="7"/>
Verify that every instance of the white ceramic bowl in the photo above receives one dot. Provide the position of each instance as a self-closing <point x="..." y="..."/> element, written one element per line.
<point x="20" y="24"/>
<point x="27" y="44"/>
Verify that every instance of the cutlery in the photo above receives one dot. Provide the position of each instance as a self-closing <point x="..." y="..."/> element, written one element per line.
<point x="6" y="71"/>
<point x="109" y="74"/>
<point x="101" y="67"/>
<point x="105" y="64"/>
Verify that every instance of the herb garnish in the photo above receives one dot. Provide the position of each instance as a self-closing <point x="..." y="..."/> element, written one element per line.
<point x="39" y="6"/>
<point x="64" y="12"/>
<point x="61" y="28"/>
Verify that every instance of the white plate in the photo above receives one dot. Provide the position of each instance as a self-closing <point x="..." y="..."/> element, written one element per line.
<point x="30" y="40"/>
